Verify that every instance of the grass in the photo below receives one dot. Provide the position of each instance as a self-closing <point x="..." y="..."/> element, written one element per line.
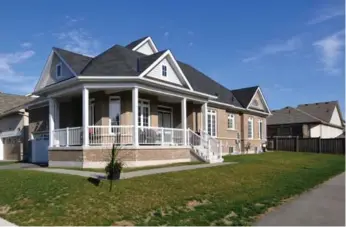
<point x="3" y="163"/>
<point x="224" y="195"/>
<point x="131" y="169"/>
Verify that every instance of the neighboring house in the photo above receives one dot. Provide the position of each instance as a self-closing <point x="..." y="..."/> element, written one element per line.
<point x="156" y="109"/>
<point x="312" y="120"/>
<point x="14" y="123"/>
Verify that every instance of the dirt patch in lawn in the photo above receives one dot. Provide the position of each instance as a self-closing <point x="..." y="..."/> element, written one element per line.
<point x="4" y="209"/>
<point x="194" y="203"/>
<point x="123" y="223"/>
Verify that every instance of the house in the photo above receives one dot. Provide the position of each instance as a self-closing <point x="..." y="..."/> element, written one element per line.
<point x="14" y="123"/>
<point x="155" y="108"/>
<point x="323" y="119"/>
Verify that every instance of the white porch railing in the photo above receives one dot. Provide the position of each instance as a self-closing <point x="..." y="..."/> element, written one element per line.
<point x="68" y="137"/>
<point x="161" y="136"/>
<point x="107" y="135"/>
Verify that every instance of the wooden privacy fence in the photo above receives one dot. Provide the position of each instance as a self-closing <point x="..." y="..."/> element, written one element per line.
<point x="315" y="145"/>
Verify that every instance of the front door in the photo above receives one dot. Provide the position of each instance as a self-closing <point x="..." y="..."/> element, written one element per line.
<point x="166" y="121"/>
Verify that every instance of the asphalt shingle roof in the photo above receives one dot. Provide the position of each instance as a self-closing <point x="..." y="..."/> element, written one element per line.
<point x="136" y="42"/>
<point x="244" y="95"/>
<point x="76" y="61"/>
<point x="10" y="101"/>
<point x="321" y="110"/>
<point x="122" y="61"/>
<point x="290" y="115"/>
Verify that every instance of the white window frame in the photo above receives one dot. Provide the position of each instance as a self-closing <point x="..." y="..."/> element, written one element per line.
<point x="166" y="111"/>
<point x="212" y="113"/>
<point x="141" y="104"/>
<point x="250" y="120"/>
<point x="231" y="117"/>
<point x="56" y="70"/>
<point x="260" y="135"/>
<point x="109" y="111"/>
<point x="164" y="70"/>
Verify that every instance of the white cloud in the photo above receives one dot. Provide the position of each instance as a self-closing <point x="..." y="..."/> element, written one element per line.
<point x="10" y="80"/>
<point x="275" y="48"/>
<point x="166" y="34"/>
<point x="9" y="59"/>
<point x="190" y="44"/>
<point x="331" y="49"/>
<point x="26" y="45"/>
<point x="79" y="41"/>
<point x="326" y="14"/>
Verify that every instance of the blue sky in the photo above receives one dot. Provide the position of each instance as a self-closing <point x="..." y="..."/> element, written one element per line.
<point x="293" y="49"/>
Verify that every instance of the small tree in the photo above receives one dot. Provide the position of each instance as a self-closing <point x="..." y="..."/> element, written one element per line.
<point x="114" y="167"/>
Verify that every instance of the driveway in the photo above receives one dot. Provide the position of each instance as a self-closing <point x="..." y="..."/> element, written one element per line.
<point x="324" y="205"/>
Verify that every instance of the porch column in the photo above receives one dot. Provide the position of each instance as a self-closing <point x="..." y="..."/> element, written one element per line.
<point x="51" y="120"/>
<point x="205" y="117"/>
<point x="183" y="120"/>
<point x="135" y="116"/>
<point x="85" y="100"/>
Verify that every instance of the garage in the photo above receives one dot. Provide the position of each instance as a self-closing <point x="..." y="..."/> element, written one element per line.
<point x="39" y="147"/>
<point x="11" y="148"/>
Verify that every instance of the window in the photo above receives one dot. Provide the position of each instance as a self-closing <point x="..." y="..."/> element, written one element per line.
<point x="250" y="128"/>
<point x="212" y="122"/>
<point x="92" y="112"/>
<point x="231" y="121"/>
<point x="165" y="116"/>
<point x="114" y="113"/>
<point x="260" y="129"/>
<point x="58" y="70"/>
<point x="164" y="70"/>
<point x="143" y="113"/>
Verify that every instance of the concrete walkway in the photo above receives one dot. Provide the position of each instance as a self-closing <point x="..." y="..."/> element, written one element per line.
<point x="18" y="166"/>
<point x="3" y="222"/>
<point x="324" y="205"/>
<point x="133" y="173"/>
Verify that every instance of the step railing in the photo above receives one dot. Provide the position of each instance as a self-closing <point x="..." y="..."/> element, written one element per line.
<point x="214" y="145"/>
<point x="199" y="144"/>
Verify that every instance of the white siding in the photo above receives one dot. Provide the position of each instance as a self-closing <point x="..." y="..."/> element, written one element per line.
<point x="325" y="131"/>
<point x="335" y="119"/>
<point x="330" y="132"/>
<point x="146" y="49"/>
<point x="48" y="76"/>
<point x="315" y="131"/>
<point x="171" y="77"/>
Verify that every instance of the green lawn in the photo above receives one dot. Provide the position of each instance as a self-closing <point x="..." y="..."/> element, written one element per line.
<point x="3" y="163"/>
<point x="131" y="169"/>
<point x="224" y="195"/>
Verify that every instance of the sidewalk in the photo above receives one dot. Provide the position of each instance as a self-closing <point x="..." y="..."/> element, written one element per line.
<point x="322" y="206"/>
<point x="133" y="173"/>
<point x="3" y="222"/>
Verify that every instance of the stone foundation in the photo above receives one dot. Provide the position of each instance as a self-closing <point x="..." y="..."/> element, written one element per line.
<point x="98" y="157"/>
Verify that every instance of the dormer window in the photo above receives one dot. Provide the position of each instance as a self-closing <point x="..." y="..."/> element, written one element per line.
<point x="58" y="71"/>
<point x="164" y="70"/>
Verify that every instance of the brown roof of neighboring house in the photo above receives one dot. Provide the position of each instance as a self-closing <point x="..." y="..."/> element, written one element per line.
<point x="290" y="115"/>
<point x="321" y="110"/>
<point x="10" y="101"/>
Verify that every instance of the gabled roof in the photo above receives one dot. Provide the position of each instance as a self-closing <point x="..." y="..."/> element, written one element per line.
<point x="244" y="95"/>
<point x="76" y="61"/>
<point x="123" y="61"/>
<point x="116" y="61"/>
<point x="10" y="101"/>
<point x="290" y="115"/>
<point x="136" y="42"/>
<point x="321" y="110"/>
<point x="145" y="61"/>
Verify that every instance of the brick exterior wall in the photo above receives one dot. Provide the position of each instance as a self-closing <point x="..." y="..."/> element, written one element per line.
<point x="103" y="154"/>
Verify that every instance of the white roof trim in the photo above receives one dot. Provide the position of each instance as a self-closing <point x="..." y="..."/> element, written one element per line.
<point x="44" y="68"/>
<point x="151" y="43"/>
<point x="163" y="56"/>
<point x="265" y="102"/>
<point x="238" y="108"/>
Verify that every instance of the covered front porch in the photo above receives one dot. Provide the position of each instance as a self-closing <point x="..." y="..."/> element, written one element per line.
<point x="126" y="116"/>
